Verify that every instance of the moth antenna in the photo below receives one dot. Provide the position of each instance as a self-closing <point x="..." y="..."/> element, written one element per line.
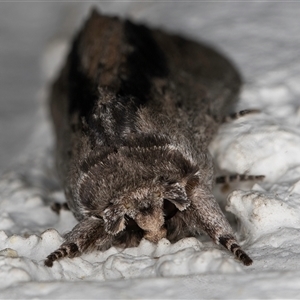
<point x="237" y="115"/>
<point x="237" y="178"/>
<point x="230" y="243"/>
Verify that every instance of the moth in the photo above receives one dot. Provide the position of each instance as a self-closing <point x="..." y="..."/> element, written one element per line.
<point x="134" y="110"/>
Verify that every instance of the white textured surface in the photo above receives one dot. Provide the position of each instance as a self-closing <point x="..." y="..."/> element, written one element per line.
<point x="261" y="38"/>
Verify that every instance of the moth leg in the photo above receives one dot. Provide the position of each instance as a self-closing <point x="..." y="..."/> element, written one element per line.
<point x="237" y="115"/>
<point x="237" y="178"/>
<point x="57" y="207"/>
<point x="206" y="214"/>
<point x="230" y="243"/>
<point x="87" y="235"/>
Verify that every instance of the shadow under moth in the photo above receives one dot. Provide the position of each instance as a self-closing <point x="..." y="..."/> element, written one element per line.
<point x="134" y="110"/>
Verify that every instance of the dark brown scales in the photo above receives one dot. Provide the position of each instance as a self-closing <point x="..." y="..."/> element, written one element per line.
<point x="134" y="110"/>
<point x="238" y="177"/>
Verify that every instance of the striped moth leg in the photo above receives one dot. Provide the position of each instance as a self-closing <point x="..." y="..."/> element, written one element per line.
<point x="87" y="235"/>
<point x="57" y="207"/>
<point x="206" y="213"/>
<point x="226" y="179"/>
<point x="240" y="114"/>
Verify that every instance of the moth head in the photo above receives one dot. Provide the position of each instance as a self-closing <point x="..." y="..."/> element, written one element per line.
<point x="146" y="209"/>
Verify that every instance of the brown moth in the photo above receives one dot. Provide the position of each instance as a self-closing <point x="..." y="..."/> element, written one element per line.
<point x="134" y="110"/>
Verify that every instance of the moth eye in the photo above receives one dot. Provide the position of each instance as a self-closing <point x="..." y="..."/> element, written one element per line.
<point x="170" y="209"/>
<point x="131" y="225"/>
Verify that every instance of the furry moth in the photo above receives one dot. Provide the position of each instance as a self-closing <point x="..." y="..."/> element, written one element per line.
<point x="134" y="110"/>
